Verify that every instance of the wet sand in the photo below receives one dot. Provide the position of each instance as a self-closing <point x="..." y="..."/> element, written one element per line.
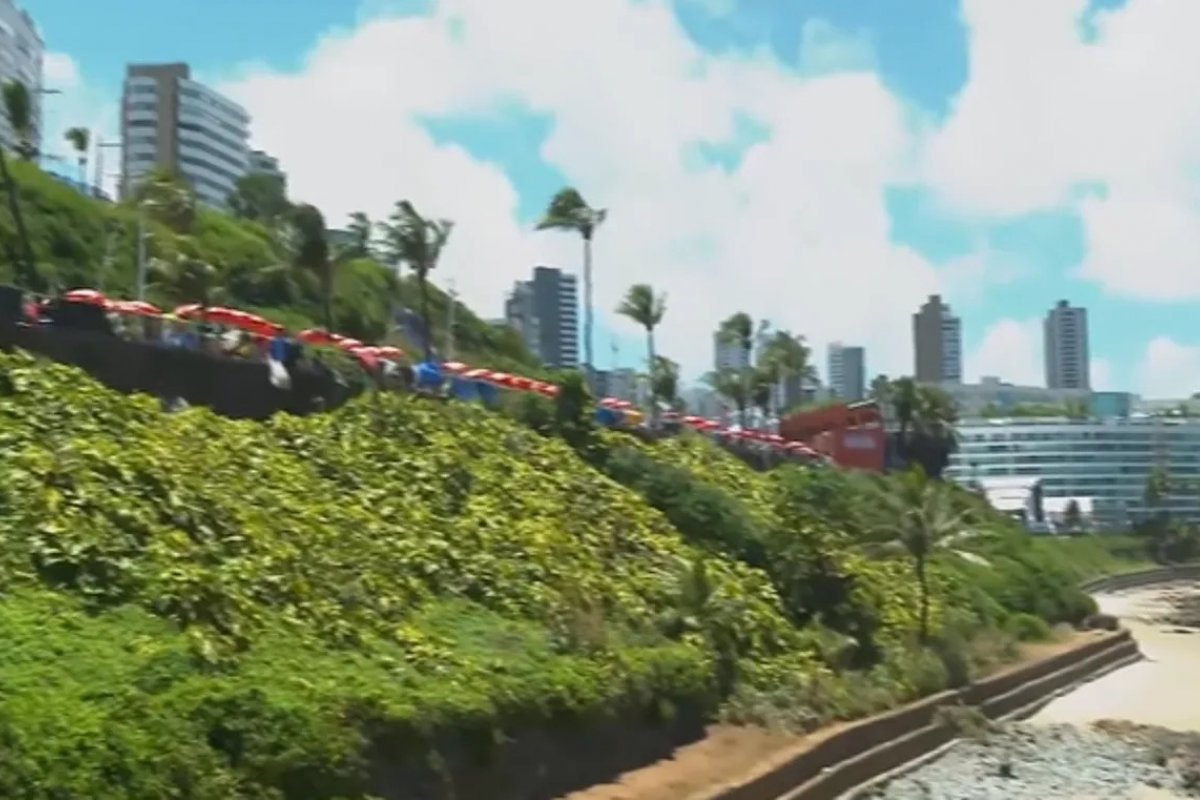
<point x="1158" y="691"/>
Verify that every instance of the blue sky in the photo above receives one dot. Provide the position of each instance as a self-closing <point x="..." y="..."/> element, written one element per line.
<point x="1025" y="258"/>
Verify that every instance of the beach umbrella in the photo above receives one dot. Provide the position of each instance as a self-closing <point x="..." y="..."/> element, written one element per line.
<point x="89" y="297"/>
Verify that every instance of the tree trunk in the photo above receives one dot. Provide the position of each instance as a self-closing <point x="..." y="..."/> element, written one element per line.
<point x="650" y="372"/>
<point x="587" y="304"/>
<point x="28" y="275"/>
<point x="425" y="318"/>
<point x="923" y="587"/>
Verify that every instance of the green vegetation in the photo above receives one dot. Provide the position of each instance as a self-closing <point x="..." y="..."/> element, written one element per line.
<point x="261" y="266"/>
<point x="263" y="610"/>
<point x="1071" y="410"/>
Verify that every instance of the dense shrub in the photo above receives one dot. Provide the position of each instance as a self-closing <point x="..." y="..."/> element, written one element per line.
<point x="272" y="610"/>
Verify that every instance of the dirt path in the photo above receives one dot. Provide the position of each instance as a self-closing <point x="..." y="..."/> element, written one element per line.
<point x="729" y="753"/>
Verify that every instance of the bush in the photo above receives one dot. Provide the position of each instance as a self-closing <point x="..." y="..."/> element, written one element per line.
<point x="262" y="609"/>
<point x="1028" y="628"/>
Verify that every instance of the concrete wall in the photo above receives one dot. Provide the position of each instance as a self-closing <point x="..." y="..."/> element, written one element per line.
<point x="878" y="744"/>
<point x="232" y="387"/>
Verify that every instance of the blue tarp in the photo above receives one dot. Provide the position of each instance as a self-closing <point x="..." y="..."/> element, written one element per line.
<point x="428" y="375"/>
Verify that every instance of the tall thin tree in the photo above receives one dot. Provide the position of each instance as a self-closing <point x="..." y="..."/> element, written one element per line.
<point x="569" y="212"/>
<point x="80" y="140"/>
<point x="417" y="241"/>
<point x="646" y="308"/>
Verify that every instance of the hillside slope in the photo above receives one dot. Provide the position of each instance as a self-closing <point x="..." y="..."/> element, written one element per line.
<point x="279" y="610"/>
<point x="82" y="242"/>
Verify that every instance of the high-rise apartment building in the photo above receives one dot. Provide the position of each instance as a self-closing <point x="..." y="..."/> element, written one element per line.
<point x="847" y="372"/>
<point x="937" y="343"/>
<point x="1066" y="339"/>
<point x="545" y="311"/>
<point x="728" y="355"/>
<point x="171" y="122"/>
<point x="21" y="54"/>
<point x="267" y="164"/>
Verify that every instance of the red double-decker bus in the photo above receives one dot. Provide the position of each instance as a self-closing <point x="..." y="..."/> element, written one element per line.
<point x="852" y="434"/>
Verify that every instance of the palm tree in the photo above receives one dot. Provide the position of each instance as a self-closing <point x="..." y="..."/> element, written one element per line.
<point x="19" y="106"/>
<point x="311" y="253"/>
<point x="170" y="199"/>
<point x="732" y="385"/>
<point x="783" y="356"/>
<point x="359" y="234"/>
<point x="418" y="241"/>
<point x="664" y="380"/>
<point x="738" y="330"/>
<point x="919" y="518"/>
<point x="569" y="212"/>
<point x="80" y="139"/>
<point x="647" y="309"/>
<point x="185" y="279"/>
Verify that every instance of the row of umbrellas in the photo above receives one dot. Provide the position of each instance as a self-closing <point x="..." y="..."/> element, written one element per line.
<point x="615" y="408"/>
<point x="626" y="409"/>
<point x="253" y="324"/>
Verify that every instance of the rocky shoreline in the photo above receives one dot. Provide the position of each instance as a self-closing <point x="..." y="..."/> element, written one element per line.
<point x="1019" y="762"/>
<point x="1102" y="760"/>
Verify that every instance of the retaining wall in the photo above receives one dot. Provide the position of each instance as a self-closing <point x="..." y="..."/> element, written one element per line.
<point x="876" y="745"/>
<point x="1145" y="577"/>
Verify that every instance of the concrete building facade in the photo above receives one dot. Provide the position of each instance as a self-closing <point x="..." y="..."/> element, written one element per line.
<point x="171" y="122"/>
<point x="937" y="343"/>
<point x="1102" y="463"/>
<point x="1066" y="344"/>
<point x="545" y="311"/>
<point x="22" y="52"/>
<point x="847" y="372"/>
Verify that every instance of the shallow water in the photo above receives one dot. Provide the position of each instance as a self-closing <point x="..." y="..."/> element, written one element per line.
<point x="1159" y="690"/>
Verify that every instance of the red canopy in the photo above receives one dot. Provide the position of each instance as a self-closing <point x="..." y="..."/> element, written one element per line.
<point x="454" y="367"/>
<point x="189" y="311"/>
<point x="89" y="297"/>
<point x="478" y="374"/>
<point x="314" y="336"/>
<point x="387" y="351"/>
<point x="137" y="307"/>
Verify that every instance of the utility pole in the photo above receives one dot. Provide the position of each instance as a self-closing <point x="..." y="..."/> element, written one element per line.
<point x="452" y="297"/>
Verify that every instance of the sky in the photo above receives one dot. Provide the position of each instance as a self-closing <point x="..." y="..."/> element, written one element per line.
<point x="821" y="164"/>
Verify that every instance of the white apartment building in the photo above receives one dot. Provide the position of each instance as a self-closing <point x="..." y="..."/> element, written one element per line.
<point x="21" y="53"/>
<point x="1105" y="462"/>
<point x="728" y="355"/>
<point x="847" y="372"/>
<point x="170" y="121"/>
<point x="267" y="164"/>
<point x="1068" y="361"/>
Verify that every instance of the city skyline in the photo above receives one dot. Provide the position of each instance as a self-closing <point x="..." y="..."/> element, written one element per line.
<point x="828" y="91"/>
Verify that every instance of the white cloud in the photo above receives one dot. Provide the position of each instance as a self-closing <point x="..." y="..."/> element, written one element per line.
<point x="1170" y="369"/>
<point x="1048" y="112"/>
<point x="59" y="71"/>
<point x="797" y="233"/>
<point x="1010" y="350"/>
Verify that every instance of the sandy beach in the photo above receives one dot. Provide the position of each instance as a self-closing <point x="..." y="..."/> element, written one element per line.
<point x="1161" y="690"/>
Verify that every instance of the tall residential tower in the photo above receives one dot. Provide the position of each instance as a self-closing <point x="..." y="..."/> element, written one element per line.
<point x="171" y="122"/>
<point x="1066" y="340"/>
<point x="937" y="343"/>
<point x="847" y="372"/>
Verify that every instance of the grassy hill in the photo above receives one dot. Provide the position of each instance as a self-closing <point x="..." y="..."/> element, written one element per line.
<point x="274" y="610"/>
<point x="412" y="598"/>
<point x="81" y="242"/>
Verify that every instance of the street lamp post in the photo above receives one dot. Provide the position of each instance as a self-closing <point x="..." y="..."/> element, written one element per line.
<point x="101" y="146"/>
